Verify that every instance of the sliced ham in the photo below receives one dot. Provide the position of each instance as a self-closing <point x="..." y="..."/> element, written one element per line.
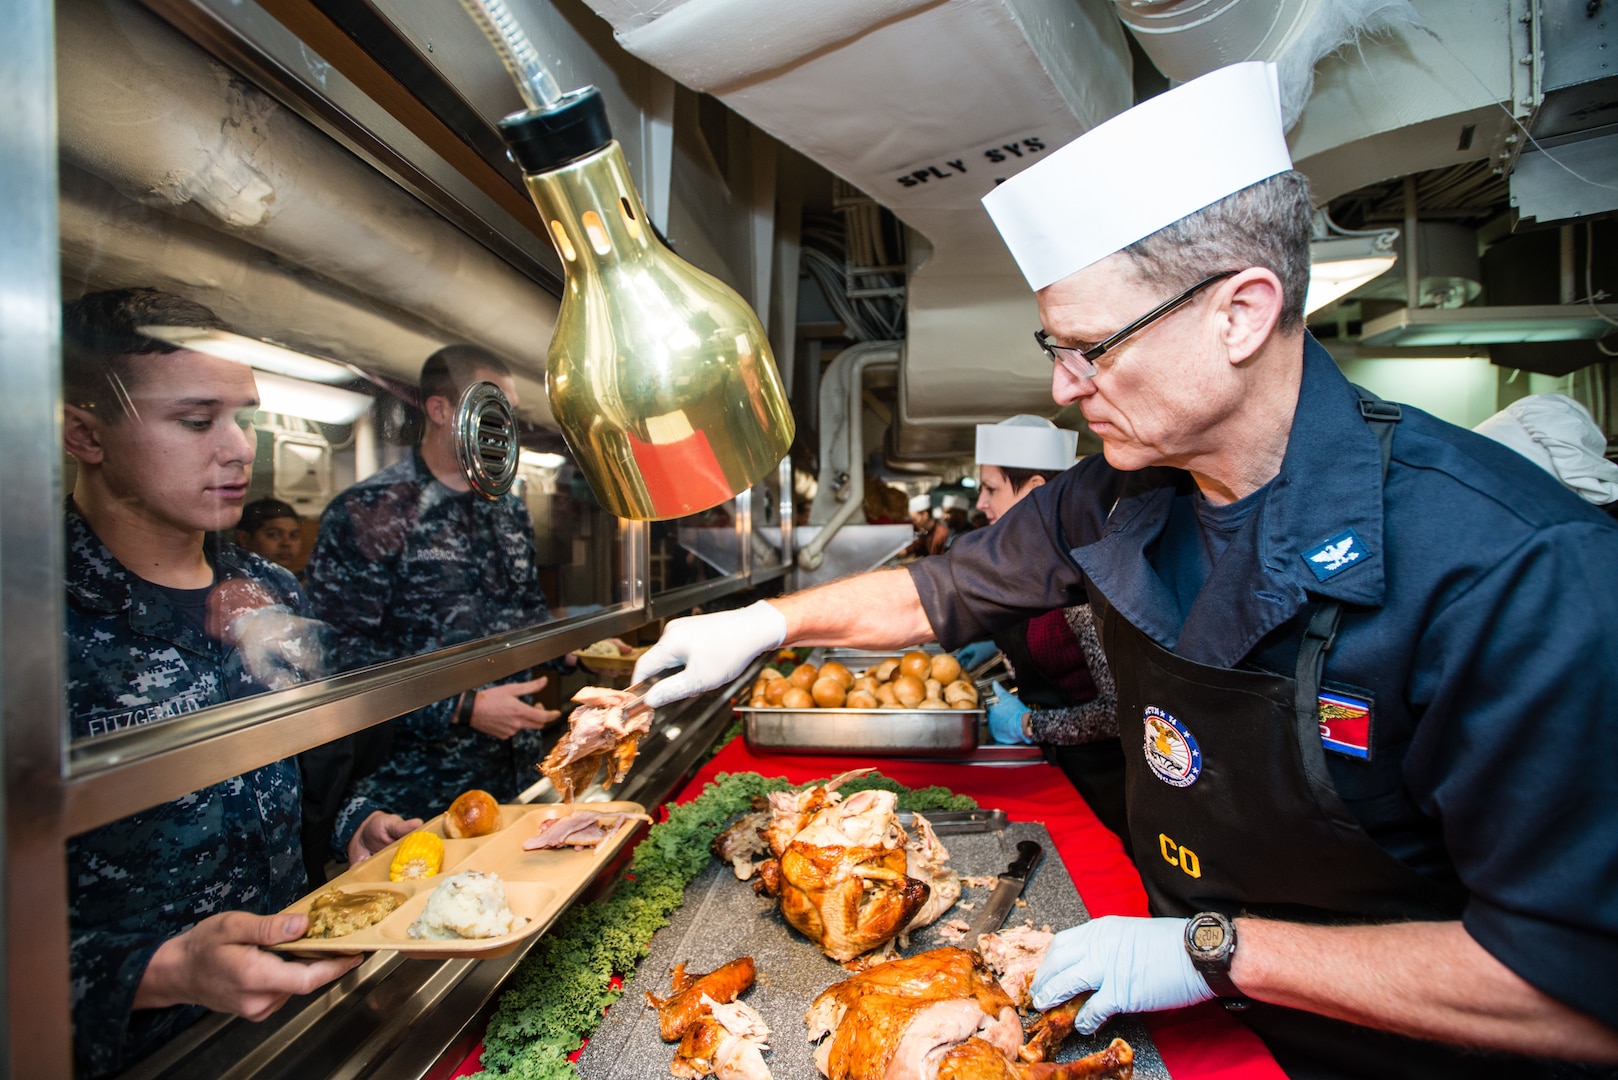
<point x="578" y="830"/>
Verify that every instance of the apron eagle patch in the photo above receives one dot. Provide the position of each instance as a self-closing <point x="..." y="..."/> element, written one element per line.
<point x="1171" y="753"/>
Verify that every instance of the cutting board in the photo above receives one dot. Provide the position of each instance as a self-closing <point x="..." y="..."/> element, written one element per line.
<point x="723" y="919"/>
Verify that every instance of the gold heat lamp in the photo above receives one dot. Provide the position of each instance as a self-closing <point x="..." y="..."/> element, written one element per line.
<point x="659" y="374"/>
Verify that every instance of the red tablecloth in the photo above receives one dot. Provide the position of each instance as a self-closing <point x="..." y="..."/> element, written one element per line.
<point x="1201" y="1043"/>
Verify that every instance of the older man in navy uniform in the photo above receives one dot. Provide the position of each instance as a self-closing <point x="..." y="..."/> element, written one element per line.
<point x="1366" y="660"/>
<point x="411" y="560"/>
<point x="168" y="907"/>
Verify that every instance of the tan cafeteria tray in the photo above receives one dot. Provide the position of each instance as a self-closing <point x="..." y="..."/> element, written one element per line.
<point x="620" y="665"/>
<point x="869" y="732"/>
<point x="539" y="884"/>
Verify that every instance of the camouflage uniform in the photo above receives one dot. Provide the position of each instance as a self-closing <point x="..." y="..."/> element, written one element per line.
<point x="139" y="653"/>
<point x="404" y="565"/>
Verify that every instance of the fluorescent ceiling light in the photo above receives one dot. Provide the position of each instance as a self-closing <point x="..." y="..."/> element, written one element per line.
<point x="264" y="355"/>
<point x="1341" y="264"/>
<point x="1487" y="325"/>
<point x="541" y="460"/>
<point x="311" y="401"/>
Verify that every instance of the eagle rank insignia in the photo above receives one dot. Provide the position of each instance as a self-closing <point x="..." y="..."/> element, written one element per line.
<point x="1336" y="555"/>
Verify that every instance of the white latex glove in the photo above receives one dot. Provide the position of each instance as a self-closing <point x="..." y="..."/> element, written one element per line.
<point x="715" y="650"/>
<point x="1133" y="965"/>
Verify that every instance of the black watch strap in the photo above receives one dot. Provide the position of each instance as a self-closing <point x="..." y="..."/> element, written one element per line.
<point x="1210" y="942"/>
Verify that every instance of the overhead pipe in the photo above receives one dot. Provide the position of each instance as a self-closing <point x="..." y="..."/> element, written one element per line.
<point x="858" y="358"/>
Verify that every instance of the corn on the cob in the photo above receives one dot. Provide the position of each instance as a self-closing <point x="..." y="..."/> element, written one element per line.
<point x="419" y="856"/>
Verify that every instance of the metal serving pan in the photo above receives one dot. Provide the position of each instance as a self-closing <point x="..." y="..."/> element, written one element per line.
<point x="868" y="732"/>
<point x="921" y="733"/>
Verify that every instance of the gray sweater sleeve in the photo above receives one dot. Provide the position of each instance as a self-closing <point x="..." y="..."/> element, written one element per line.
<point x="1097" y="718"/>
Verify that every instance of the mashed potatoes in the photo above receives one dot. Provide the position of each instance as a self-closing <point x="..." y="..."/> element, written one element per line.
<point x="471" y="904"/>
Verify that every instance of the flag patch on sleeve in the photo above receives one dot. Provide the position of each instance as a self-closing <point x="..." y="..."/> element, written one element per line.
<point x="1345" y="725"/>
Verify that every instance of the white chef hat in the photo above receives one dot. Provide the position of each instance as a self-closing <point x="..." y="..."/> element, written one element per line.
<point x="920" y="504"/>
<point x="1144" y="169"/>
<point x="954" y="502"/>
<point x="1557" y="434"/>
<point x="1026" y="442"/>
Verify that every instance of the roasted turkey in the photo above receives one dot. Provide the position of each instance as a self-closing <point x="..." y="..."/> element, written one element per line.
<point x="940" y="1015"/>
<point x="927" y="859"/>
<point x="896" y="1021"/>
<point x="848" y="875"/>
<point x="976" y="1060"/>
<point x="842" y="879"/>
<point x="1014" y="955"/>
<point x="684" y="1005"/>
<point x="727" y="1041"/>
<point x="600" y="731"/>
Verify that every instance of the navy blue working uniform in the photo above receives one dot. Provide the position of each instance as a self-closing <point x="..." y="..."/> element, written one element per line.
<point x="1467" y="701"/>
<point x="139" y="653"/>
<point x="404" y="565"/>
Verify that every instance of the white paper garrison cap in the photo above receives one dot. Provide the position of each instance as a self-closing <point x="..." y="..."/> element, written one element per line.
<point x="920" y="504"/>
<point x="1557" y="434"/>
<point x="1146" y="168"/>
<point x="1026" y="442"/>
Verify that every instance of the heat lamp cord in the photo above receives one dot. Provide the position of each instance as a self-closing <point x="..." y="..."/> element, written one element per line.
<point x="534" y="80"/>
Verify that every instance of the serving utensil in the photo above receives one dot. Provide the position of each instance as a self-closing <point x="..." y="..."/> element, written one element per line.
<point x="946" y="822"/>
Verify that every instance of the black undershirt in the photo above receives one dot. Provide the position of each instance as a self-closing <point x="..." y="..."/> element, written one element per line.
<point x="1197" y="533"/>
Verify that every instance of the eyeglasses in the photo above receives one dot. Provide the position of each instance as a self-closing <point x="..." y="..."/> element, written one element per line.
<point x="1082" y="362"/>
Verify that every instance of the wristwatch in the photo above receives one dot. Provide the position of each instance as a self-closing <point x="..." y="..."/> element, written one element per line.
<point x="1210" y="941"/>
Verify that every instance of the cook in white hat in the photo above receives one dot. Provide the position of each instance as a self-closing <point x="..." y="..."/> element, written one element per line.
<point x="1365" y="680"/>
<point x="1017" y="455"/>
<point x="933" y="534"/>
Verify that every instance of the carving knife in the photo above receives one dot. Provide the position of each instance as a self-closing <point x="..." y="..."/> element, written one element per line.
<point x="1006" y="890"/>
<point x="948" y="822"/>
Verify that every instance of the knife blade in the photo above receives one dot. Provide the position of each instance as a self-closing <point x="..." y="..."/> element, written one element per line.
<point x="951" y="822"/>
<point x="1006" y="890"/>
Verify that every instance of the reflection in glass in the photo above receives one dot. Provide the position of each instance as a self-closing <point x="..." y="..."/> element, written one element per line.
<point x="164" y="619"/>
<point x="177" y="175"/>
<point x="691" y="550"/>
<point x="333" y="284"/>
<point x="768" y="540"/>
<point x="409" y="560"/>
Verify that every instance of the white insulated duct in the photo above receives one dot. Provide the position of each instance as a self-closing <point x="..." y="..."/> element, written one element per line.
<point x="167" y="127"/>
<point x="924" y="106"/>
<point x="1187" y="38"/>
<point x="1371" y="89"/>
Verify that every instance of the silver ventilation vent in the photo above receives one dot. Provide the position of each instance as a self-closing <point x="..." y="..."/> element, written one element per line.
<point x="486" y="440"/>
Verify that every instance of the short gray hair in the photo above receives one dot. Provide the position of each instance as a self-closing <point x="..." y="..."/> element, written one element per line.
<point x="1268" y="224"/>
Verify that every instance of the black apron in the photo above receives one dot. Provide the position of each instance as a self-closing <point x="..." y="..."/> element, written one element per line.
<point x="1232" y="809"/>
